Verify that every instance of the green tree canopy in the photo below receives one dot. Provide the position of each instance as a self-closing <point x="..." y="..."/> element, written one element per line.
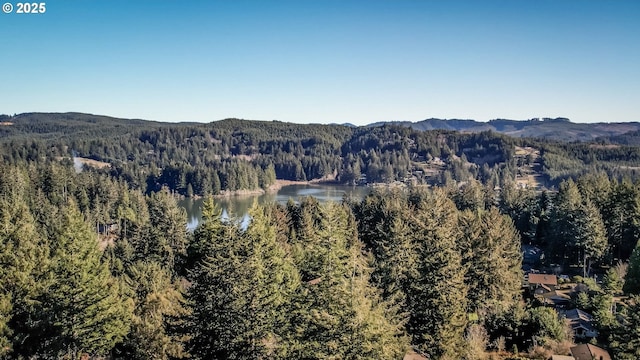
<point x="83" y="308"/>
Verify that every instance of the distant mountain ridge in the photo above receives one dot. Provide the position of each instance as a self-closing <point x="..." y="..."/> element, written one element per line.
<point x="557" y="129"/>
<point x="561" y="129"/>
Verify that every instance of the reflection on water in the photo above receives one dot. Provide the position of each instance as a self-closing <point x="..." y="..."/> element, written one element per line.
<point x="237" y="207"/>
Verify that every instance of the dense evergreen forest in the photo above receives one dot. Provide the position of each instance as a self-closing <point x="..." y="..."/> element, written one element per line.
<point x="99" y="264"/>
<point x="230" y="155"/>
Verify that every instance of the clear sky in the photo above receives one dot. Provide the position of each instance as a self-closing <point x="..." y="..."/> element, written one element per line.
<point x="325" y="60"/>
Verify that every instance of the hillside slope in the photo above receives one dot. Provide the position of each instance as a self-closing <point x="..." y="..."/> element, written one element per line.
<point x="235" y="155"/>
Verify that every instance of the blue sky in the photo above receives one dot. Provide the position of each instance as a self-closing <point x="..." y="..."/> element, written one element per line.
<point x="325" y="60"/>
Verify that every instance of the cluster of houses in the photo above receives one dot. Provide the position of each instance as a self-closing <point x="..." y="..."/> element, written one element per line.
<point x="544" y="287"/>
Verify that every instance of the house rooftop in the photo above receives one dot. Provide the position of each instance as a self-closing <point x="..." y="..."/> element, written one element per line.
<point x="543" y="279"/>
<point x="589" y="352"/>
<point x="577" y="314"/>
<point x="562" y="357"/>
<point x="578" y="319"/>
<point x="556" y="294"/>
<point x="555" y="297"/>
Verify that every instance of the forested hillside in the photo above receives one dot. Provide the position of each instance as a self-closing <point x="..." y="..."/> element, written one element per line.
<point x="230" y="155"/>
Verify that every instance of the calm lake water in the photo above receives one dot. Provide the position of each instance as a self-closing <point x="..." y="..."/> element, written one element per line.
<point x="238" y="206"/>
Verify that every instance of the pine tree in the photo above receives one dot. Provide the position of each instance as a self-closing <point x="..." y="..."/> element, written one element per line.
<point x="271" y="277"/>
<point x="167" y="242"/>
<point x="212" y="227"/>
<point x="473" y="196"/>
<point x="626" y="337"/>
<point x="632" y="280"/>
<point x="490" y="247"/>
<point x="589" y="235"/>
<point x="159" y="310"/>
<point x="240" y="285"/>
<point x="269" y="176"/>
<point x="211" y="238"/>
<point x="611" y="282"/>
<point x="413" y="239"/>
<point x="621" y="214"/>
<point x="387" y="234"/>
<point x="563" y="216"/>
<point x="125" y="212"/>
<point x="24" y="264"/>
<point x="134" y="226"/>
<point x="5" y="331"/>
<point x="544" y="323"/>
<point x="578" y="230"/>
<point x="216" y="185"/>
<point x="336" y="313"/>
<point x="596" y="187"/>
<point x="521" y="206"/>
<point x="437" y="298"/>
<point x="85" y="312"/>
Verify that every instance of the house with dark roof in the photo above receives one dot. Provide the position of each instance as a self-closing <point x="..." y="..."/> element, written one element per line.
<point x="581" y="323"/>
<point x="589" y="352"/>
<point x="555" y="298"/>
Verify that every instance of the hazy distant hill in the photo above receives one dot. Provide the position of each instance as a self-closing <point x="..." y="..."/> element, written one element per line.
<point x="556" y="129"/>
<point x="46" y="125"/>
<point x="440" y="124"/>
<point x="57" y="125"/>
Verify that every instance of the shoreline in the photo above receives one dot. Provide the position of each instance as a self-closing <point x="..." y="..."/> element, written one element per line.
<point x="275" y="187"/>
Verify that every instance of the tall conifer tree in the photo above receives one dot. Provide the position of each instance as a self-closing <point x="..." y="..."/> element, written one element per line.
<point x="437" y="298"/>
<point x="85" y="312"/>
<point x="159" y="311"/>
<point x="337" y="313"/>
<point x="632" y="280"/>
<point x="490" y="247"/>
<point x="240" y="285"/>
<point x="23" y="265"/>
